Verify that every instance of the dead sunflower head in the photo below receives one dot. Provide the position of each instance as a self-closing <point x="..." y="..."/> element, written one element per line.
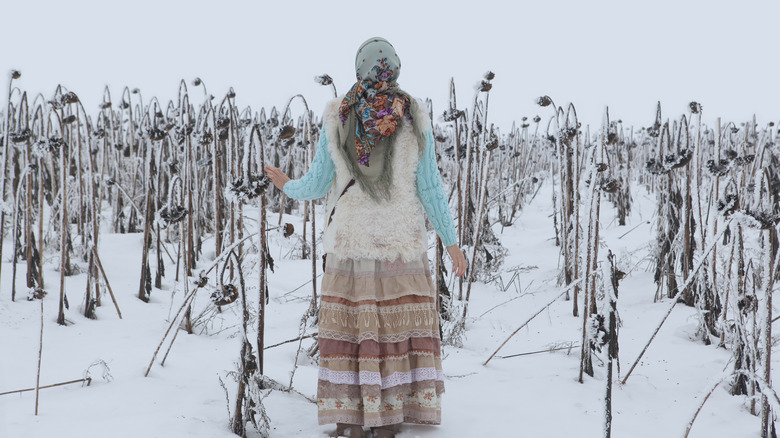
<point x="324" y="79"/>
<point x="544" y="101"/>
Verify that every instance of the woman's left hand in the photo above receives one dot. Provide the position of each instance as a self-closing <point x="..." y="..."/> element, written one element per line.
<point x="458" y="260"/>
<point x="278" y="177"/>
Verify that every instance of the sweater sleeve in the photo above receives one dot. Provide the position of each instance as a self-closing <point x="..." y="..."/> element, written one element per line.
<point x="317" y="181"/>
<point x="431" y="193"/>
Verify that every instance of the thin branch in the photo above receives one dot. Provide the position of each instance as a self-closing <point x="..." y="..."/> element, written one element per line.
<point x="569" y="287"/>
<point x="312" y="335"/>
<point x="691" y="278"/>
<point x="88" y="380"/>
<point x="549" y="350"/>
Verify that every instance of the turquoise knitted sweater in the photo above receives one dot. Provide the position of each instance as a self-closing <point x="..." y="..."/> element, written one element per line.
<point x="317" y="182"/>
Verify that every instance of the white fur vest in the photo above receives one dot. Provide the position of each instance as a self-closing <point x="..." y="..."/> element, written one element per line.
<point x="363" y="228"/>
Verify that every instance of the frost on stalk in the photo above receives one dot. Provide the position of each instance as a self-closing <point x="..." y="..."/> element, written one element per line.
<point x="757" y="216"/>
<point x="256" y="412"/>
<point x="454" y="331"/>
<point x="675" y="243"/>
<point x="490" y="254"/>
<point x="743" y="349"/>
<point x="102" y="366"/>
<point x="597" y="331"/>
<point x="729" y="202"/>
<point x="7" y="207"/>
<point x="273" y="119"/>
<point x="251" y="410"/>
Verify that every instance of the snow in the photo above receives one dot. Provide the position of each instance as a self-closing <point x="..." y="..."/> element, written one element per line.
<point x="532" y="395"/>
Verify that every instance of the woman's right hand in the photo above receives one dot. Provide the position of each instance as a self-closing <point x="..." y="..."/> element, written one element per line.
<point x="459" y="263"/>
<point x="278" y="177"/>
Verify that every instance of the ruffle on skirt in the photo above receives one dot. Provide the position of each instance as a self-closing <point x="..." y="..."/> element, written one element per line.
<point x="380" y="348"/>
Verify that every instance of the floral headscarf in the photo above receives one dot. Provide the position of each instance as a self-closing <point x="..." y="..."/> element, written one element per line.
<point x="378" y="103"/>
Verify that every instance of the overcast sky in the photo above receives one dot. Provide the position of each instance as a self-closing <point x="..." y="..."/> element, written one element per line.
<point x="624" y="54"/>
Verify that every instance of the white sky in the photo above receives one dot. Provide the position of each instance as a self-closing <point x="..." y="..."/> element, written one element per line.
<point x="624" y="54"/>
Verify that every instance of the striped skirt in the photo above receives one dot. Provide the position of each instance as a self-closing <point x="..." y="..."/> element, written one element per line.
<point x="380" y="349"/>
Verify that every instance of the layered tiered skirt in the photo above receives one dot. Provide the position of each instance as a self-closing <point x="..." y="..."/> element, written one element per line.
<point x="380" y="348"/>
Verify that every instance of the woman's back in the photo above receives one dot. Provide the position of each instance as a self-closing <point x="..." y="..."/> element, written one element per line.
<point x="380" y="350"/>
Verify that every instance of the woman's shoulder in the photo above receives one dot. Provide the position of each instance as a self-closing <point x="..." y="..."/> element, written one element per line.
<point x="419" y="112"/>
<point x="330" y="116"/>
<point x="333" y="105"/>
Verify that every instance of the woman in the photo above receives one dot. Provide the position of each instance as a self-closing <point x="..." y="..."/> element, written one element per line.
<point x="380" y="348"/>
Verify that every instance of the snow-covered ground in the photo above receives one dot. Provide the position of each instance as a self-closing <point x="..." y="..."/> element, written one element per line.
<point x="534" y="395"/>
